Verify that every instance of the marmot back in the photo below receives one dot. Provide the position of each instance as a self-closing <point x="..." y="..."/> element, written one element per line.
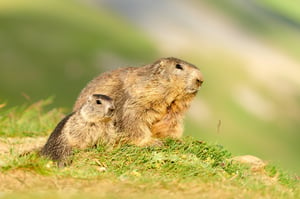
<point x="150" y="100"/>
<point x="82" y="128"/>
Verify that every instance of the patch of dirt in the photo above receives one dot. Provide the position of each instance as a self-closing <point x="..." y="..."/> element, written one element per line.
<point x="20" y="145"/>
<point x="25" y="183"/>
<point x="10" y="146"/>
<point x="28" y="182"/>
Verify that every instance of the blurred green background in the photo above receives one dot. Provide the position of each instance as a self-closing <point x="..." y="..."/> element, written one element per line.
<point x="248" y="51"/>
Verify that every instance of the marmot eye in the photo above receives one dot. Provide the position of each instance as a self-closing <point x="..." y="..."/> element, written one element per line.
<point x="98" y="102"/>
<point x="178" y="66"/>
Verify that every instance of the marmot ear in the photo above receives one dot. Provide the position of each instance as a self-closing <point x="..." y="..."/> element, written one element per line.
<point x="160" y="68"/>
<point x="162" y="62"/>
<point x="159" y="63"/>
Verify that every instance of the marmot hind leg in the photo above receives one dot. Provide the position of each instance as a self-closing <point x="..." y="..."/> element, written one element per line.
<point x="59" y="154"/>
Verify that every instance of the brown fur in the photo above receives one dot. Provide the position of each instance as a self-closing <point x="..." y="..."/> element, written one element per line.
<point x="81" y="129"/>
<point x="150" y="100"/>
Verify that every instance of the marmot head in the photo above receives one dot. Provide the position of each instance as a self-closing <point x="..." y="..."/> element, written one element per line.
<point x="97" y="108"/>
<point x="183" y="76"/>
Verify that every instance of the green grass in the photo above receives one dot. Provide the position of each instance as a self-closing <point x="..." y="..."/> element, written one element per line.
<point x="29" y="120"/>
<point x="183" y="167"/>
<point x="176" y="164"/>
<point x="185" y="160"/>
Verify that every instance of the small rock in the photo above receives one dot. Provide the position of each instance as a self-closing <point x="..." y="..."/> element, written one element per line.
<point x="101" y="169"/>
<point x="255" y="163"/>
<point x="135" y="173"/>
<point x="49" y="164"/>
<point x="2" y="163"/>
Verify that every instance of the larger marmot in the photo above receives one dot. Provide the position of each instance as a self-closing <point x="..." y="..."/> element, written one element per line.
<point x="90" y="124"/>
<point x="150" y="100"/>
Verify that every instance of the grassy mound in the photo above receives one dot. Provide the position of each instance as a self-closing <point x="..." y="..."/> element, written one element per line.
<point x="176" y="165"/>
<point x="181" y="168"/>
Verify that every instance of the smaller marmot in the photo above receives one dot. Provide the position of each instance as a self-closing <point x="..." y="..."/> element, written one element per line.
<point x="81" y="129"/>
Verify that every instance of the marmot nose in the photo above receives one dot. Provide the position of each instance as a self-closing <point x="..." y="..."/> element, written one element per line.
<point x="199" y="82"/>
